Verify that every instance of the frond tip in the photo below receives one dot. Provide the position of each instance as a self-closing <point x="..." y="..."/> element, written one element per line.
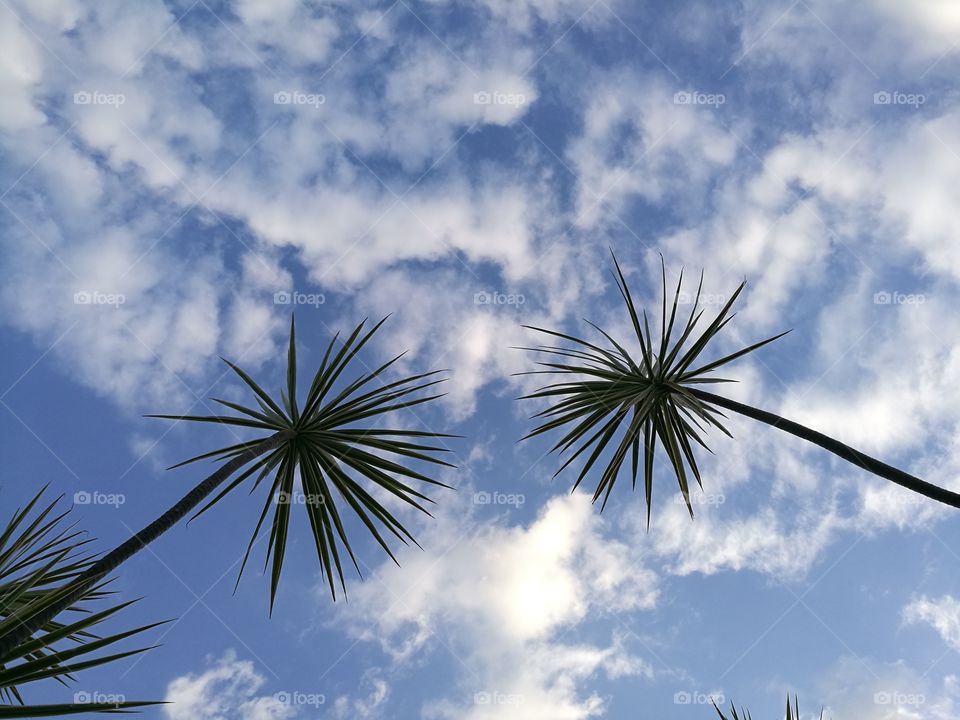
<point x="793" y="713"/>
<point x="609" y="400"/>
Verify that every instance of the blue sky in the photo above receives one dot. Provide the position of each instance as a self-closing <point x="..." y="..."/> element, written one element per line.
<point x="173" y="172"/>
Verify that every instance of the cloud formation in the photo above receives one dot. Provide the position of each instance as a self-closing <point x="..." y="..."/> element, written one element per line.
<point x="226" y="690"/>
<point x="504" y="600"/>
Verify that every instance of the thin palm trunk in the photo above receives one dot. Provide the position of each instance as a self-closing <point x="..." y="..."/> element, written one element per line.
<point x="123" y="552"/>
<point x="838" y="448"/>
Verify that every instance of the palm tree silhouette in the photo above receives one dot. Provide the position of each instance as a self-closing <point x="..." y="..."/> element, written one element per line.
<point x="657" y="399"/>
<point x="326" y="441"/>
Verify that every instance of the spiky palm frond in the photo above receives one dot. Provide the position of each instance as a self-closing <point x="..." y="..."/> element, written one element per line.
<point x="335" y="441"/>
<point x="39" y="555"/>
<point x="647" y="400"/>
<point x="792" y="713"/>
<point x="741" y="715"/>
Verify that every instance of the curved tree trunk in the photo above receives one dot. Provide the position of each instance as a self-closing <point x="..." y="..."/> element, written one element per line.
<point x="838" y="448"/>
<point x="75" y="589"/>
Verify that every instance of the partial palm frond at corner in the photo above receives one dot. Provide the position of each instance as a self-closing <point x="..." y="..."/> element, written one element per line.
<point x="40" y="553"/>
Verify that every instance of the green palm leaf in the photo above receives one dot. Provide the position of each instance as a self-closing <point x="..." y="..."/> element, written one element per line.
<point x="39" y="556"/>
<point x="612" y="405"/>
<point x="339" y="445"/>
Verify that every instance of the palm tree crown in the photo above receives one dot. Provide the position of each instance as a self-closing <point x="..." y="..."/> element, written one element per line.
<point x="334" y="441"/>
<point x="651" y="398"/>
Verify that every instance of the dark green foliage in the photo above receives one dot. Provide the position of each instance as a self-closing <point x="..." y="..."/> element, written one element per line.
<point x="39" y="555"/>
<point x="646" y="401"/>
<point x="338" y="444"/>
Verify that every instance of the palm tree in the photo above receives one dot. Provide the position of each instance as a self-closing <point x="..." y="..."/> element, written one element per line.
<point x="39" y="553"/>
<point x="658" y="399"/>
<point x="792" y="713"/>
<point x="325" y="442"/>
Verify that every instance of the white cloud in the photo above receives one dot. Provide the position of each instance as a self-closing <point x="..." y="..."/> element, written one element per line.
<point x="167" y="145"/>
<point x="865" y="689"/>
<point x="934" y="24"/>
<point x="20" y="69"/>
<point x="442" y="326"/>
<point x="760" y="541"/>
<point x="901" y="177"/>
<point x="128" y="33"/>
<point x="437" y="93"/>
<point x="502" y="599"/>
<point x="369" y="707"/>
<point x="520" y="15"/>
<point x="637" y="140"/>
<point x="860" y="402"/>
<point x="942" y="614"/>
<point x="887" y="39"/>
<point x="60" y="14"/>
<point x="227" y="690"/>
<point x="112" y="316"/>
<point x="289" y="28"/>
